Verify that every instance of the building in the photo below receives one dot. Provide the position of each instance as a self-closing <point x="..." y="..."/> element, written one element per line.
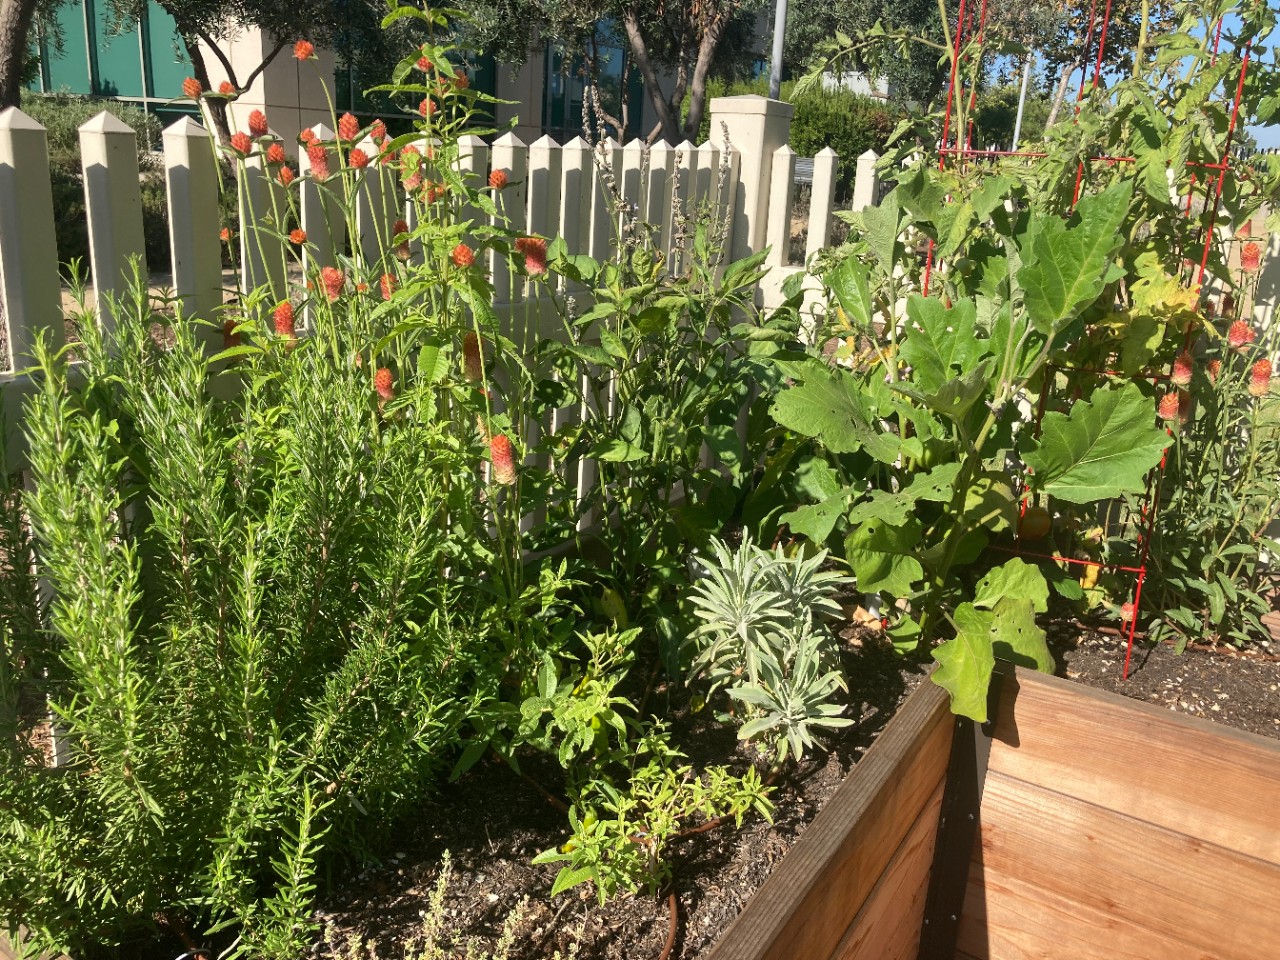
<point x="146" y="63"/>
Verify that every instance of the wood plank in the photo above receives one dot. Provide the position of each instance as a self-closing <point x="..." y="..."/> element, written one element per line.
<point x="888" y="925"/>
<point x="809" y="900"/>
<point x="1183" y="773"/>
<point x="1109" y="885"/>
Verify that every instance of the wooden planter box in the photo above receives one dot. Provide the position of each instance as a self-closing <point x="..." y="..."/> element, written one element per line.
<point x="1077" y="825"/>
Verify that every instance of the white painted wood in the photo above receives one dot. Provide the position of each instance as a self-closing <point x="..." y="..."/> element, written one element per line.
<point x="866" y="181"/>
<point x="576" y="175"/>
<point x="757" y="127"/>
<point x="113" y="202"/>
<point x="191" y="178"/>
<point x="683" y="175"/>
<point x="822" y="201"/>
<point x="658" y="212"/>
<point x="261" y="209"/>
<point x="473" y="164"/>
<point x="632" y="182"/>
<point x="705" y="164"/>
<point x="607" y="159"/>
<point x="30" y="289"/>
<point x="321" y="214"/>
<point x="372" y="224"/>
<point x="512" y="156"/>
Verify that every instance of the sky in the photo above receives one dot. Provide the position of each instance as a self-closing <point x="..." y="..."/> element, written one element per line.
<point x="1268" y="136"/>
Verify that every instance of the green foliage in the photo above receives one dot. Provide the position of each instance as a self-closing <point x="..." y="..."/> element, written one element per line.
<point x="847" y="122"/>
<point x="997" y="115"/>
<point x="62" y="115"/>
<point x="759" y="639"/>
<point x="619" y="835"/>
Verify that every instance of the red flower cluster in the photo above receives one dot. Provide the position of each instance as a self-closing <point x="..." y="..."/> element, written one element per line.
<point x="427" y="107"/>
<point x="1260" y="379"/>
<point x="384" y="383"/>
<point x="298" y="236"/>
<point x="1169" y="406"/>
<point x="460" y="79"/>
<point x="284" y="319"/>
<point x="230" y="337"/>
<point x="318" y="157"/>
<point x="1214" y="368"/>
<point x="502" y="456"/>
<point x="1182" y="368"/>
<point x="348" y="128"/>
<point x="358" y="158"/>
<point x="241" y="143"/>
<point x="378" y="132"/>
<point x="388" y="284"/>
<point x="498" y="179"/>
<point x="1250" y="258"/>
<point x="258" y="124"/>
<point x="334" y="280"/>
<point x="1240" y="335"/>
<point x="191" y="88"/>
<point x="286" y="176"/>
<point x="535" y="255"/>
<point x="304" y="50"/>
<point x="227" y="88"/>
<point x="463" y="256"/>
<point x="275" y="153"/>
<point x="224" y="235"/>
<point x="424" y="64"/>
<point x="307" y="136"/>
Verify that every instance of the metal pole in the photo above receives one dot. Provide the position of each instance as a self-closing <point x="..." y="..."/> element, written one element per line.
<point x="1022" y="102"/>
<point x="779" y="31"/>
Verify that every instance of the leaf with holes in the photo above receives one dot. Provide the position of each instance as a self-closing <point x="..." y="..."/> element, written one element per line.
<point x="883" y="556"/>
<point x="965" y="662"/>
<point x="940" y="343"/>
<point x="1017" y="579"/>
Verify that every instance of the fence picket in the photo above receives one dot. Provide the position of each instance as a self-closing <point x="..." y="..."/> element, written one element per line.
<point x="631" y="181"/>
<point x="261" y="207"/>
<point x="511" y="156"/>
<point x="191" y="179"/>
<point x="778" y="222"/>
<point x="322" y="219"/>
<point x="662" y="162"/>
<point x="30" y="289"/>
<point x="866" y="181"/>
<point x="821" y="200"/>
<point x="113" y="202"/>
<point x="372" y="225"/>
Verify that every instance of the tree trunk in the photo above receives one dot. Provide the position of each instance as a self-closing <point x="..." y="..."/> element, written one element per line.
<point x="214" y="107"/>
<point x="698" y="86"/>
<point x="1061" y="93"/>
<point x="668" y="124"/>
<point x="16" y="17"/>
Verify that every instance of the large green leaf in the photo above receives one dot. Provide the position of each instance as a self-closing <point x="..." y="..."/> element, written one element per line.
<point x="939" y="342"/>
<point x="833" y="409"/>
<point x="966" y="661"/>
<point x="849" y="283"/>
<point x="885" y="223"/>
<point x="816" y="520"/>
<point x="956" y="397"/>
<point x="1067" y="264"/>
<point x="1017" y="579"/>
<point x="883" y="556"/>
<point x="1102" y="449"/>
<point x="1015" y="636"/>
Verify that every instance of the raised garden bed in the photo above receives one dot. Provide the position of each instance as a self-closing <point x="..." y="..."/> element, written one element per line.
<point x="1077" y="824"/>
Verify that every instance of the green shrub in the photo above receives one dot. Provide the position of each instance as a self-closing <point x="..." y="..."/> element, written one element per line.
<point x="997" y="115"/>
<point x="847" y="122"/>
<point x="61" y="114"/>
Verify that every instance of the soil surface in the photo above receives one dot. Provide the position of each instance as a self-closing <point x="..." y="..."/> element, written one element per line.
<point x="492" y="823"/>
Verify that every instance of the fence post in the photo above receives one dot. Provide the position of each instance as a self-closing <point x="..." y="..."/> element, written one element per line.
<point x="374" y="232"/>
<point x="866" y="181"/>
<point x="261" y="202"/>
<point x="757" y="127"/>
<point x="113" y="202"/>
<point x="510" y="155"/>
<point x="631" y="181"/>
<point x="779" y="226"/>
<point x="192" y="181"/>
<point x="30" y="289"/>
<point x="473" y="165"/>
<point x="1267" y="293"/>
<point x="606" y="158"/>
<point x="321" y="213"/>
<point x="822" y="200"/>
<point x="575" y="184"/>
<point x="657" y="211"/>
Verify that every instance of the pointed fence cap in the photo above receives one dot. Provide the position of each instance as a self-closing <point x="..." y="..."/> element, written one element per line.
<point x="577" y="143"/>
<point x="827" y="152"/>
<point x="508" y="139"/>
<point x="12" y="118"/>
<point x="106" y="122"/>
<point x="185" y="127"/>
<point x="545" y="142"/>
<point x="660" y="147"/>
<point x="869" y="155"/>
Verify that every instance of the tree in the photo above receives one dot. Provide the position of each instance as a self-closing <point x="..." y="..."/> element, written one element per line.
<point x="206" y="25"/>
<point x="17" y="17"/>
<point x="689" y="37"/>
<point x="1074" y="45"/>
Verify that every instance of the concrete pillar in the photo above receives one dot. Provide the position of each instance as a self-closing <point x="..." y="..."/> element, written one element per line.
<point x="756" y="127"/>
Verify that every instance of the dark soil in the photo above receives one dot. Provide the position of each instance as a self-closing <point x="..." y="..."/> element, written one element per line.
<point x="493" y="823"/>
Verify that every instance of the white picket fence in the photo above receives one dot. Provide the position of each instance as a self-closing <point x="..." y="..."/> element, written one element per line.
<point x="745" y="173"/>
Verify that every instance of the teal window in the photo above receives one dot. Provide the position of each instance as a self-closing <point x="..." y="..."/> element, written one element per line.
<point x="564" y="91"/>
